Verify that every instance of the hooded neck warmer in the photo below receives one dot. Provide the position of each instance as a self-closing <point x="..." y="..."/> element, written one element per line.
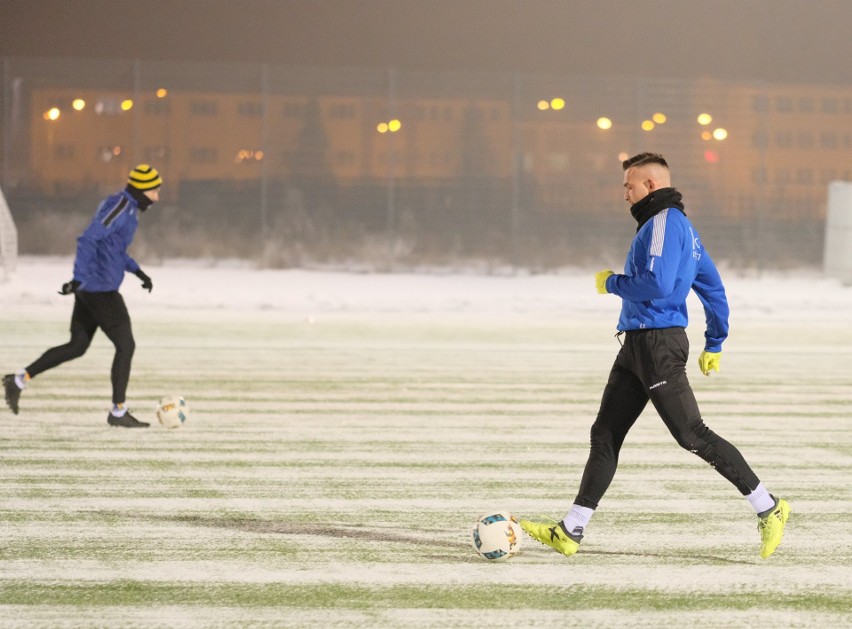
<point x="654" y="203"/>
<point x="140" y="197"/>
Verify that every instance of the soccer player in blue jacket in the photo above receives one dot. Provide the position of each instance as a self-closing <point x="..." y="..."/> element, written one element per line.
<point x="666" y="260"/>
<point x="99" y="268"/>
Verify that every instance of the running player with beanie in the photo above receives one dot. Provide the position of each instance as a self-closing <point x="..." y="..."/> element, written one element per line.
<point x="99" y="268"/>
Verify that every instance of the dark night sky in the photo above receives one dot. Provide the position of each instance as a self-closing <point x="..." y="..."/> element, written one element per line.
<point x="796" y="41"/>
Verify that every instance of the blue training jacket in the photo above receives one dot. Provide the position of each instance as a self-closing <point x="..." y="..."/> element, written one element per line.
<point x="102" y="257"/>
<point x="665" y="260"/>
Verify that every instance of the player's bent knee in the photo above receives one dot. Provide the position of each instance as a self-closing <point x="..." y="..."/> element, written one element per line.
<point x="78" y="346"/>
<point x="126" y="347"/>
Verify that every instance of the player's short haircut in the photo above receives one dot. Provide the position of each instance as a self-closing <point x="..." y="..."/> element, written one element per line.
<point x="645" y="158"/>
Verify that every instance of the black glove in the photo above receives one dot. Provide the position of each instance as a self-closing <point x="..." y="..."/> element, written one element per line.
<point x="69" y="287"/>
<point x="146" y="281"/>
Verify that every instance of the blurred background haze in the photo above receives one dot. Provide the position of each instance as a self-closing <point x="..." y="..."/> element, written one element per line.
<point x="390" y="134"/>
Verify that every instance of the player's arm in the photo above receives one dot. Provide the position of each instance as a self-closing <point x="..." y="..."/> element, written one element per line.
<point x="711" y="292"/>
<point x="87" y="248"/>
<point x="656" y="279"/>
<point x="131" y="265"/>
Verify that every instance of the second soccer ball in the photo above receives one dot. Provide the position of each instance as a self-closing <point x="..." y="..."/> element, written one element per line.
<point x="172" y="411"/>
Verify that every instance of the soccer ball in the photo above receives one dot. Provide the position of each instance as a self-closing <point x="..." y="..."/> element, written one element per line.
<point x="172" y="411"/>
<point x="496" y="536"/>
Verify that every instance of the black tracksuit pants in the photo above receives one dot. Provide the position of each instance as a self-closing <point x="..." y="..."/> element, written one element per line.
<point x="652" y="365"/>
<point x="92" y="311"/>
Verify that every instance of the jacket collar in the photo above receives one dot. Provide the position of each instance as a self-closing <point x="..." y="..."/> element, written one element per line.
<point x="139" y="197"/>
<point x="654" y="203"/>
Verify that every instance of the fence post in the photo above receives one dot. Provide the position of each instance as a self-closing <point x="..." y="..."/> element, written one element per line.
<point x="517" y="165"/>
<point x="391" y="189"/>
<point x="137" y="118"/>
<point x="264" y="163"/>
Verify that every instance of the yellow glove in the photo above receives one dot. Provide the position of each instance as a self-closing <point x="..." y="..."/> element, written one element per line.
<point x="600" y="280"/>
<point x="709" y="361"/>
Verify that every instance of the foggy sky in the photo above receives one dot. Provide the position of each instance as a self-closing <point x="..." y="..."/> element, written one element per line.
<point x="783" y="41"/>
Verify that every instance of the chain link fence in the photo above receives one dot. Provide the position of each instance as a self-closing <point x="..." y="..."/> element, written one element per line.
<point x="388" y="169"/>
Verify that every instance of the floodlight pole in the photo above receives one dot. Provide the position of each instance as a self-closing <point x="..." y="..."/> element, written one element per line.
<point x="391" y="187"/>
<point x="264" y="162"/>
<point x="136" y="117"/>
<point x="516" y="169"/>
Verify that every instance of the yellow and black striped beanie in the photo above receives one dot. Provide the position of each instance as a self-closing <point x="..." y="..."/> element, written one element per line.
<point x="144" y="177"/>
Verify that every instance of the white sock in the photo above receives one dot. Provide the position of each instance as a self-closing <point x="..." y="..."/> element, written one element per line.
<point x="577" y="519"/>
<point x="21" y="379"/>
<point x="760" y="499"/>
<point x="118" y="410"/>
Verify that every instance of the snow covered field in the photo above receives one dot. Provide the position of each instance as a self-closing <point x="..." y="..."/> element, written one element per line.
<point x="347" y="428"/>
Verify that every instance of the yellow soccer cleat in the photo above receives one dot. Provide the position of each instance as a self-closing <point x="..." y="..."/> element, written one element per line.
<point x="771" y="527"/>
<point x="552" y="534"/>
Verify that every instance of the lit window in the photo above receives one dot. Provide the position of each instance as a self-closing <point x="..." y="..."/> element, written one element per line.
<point x="249" y="156"/>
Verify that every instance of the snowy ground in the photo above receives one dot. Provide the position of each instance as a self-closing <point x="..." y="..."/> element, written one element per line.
<point x="234" y="287"/>
<point x="347" y="428"/>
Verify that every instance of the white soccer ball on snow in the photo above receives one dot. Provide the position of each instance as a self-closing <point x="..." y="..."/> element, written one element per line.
<point x="172" y="411"/>
<point x="496" y="536"/>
